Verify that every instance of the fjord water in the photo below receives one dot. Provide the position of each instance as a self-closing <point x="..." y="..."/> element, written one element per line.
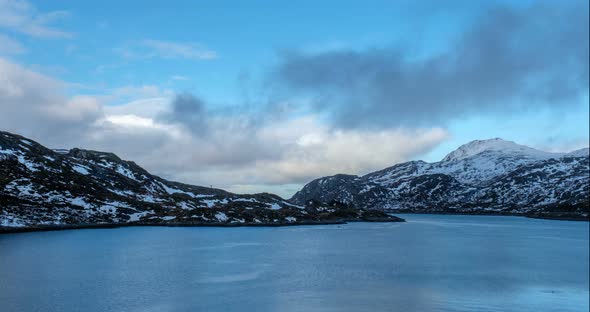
<point x="430" y="263"/>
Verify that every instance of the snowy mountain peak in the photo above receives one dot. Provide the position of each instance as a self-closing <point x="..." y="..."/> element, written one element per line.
<point x="499" y="145"/>
<point x="480" y="177"/>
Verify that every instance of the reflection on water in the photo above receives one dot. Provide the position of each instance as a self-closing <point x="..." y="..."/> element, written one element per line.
<point x="430" y="263"/>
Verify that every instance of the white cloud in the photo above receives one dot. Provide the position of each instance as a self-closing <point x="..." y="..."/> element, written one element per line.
<point x="148" y="108"/>
<point x="79" y="107"/>
<point x="150" y="48"/>
<point x="21" y="16"/>
<point x="320" y="151"/>
<point x="10" y="46"/>
<point x="131" y="121"/>
<point x="240" y="158"/>
<point x="17" y="81"/>
<point x="34" y="105"/>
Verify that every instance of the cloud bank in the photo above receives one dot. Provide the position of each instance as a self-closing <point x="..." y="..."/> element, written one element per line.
<point x="180" y="137"/>
<point x="512" y="60"/>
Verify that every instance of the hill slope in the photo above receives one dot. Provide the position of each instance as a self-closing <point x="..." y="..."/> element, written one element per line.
<point x="485" y="176"/>
<point x="44" y="188"/>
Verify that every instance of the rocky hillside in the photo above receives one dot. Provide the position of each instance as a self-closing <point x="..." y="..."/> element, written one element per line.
<point x="43" y="188"/>
<point x="482" y="177"/>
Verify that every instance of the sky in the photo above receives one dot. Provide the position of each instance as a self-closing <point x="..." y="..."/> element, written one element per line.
<point x="264" y="96"/>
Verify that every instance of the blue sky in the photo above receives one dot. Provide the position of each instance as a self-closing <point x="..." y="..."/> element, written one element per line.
<point x="225" y="55"/>
<point x="245" y="38"/>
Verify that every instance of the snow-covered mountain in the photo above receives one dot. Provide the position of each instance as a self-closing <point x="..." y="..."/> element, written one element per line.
<point x="499" y="146"/>
<point x="483" y="176"/>
<point x="44" y="188"/>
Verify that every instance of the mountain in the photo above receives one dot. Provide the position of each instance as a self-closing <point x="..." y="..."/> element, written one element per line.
<point x="42" y="188"/>
<point x="497" y="145"/>
<point x="481" y="177"/>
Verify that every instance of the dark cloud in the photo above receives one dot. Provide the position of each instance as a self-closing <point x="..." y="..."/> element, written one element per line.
<point x="198" y="115"/>
<point x="227" y="136"/>
<point x="190" y="111"/>
<point x="511" y="60"/>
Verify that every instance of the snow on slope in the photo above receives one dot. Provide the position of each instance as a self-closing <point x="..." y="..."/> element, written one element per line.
<point x="505" y="147"/>
<point x="474" y="163"/>
<point x="481" y="176"/>
<point x="44" y="186"/>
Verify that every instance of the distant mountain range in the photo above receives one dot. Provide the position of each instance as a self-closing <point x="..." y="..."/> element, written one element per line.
<point x="481" y="177"/>
<point x="42" y="188"/>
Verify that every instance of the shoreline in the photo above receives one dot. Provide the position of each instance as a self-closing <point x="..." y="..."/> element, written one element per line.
<point x="558" y="218"/>
<point x="47" y="228"/>
<point x="531" y="216"/>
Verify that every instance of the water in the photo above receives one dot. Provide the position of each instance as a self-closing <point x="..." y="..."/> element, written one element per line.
<point x="430" y="263"/>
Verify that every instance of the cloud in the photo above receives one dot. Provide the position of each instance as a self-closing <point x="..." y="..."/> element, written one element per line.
<point x="311" y="149"/>
<point x="34" y="105"/>
<point x="239" y="148"/>
<point x="10" y="46"/>
<point x="512" y="60"/>
<point x="142" y="107"/>
<point x="189" y="111"/>
<point x="150" y="48"/>
<point x="367" y="109"/>
<point x="183" y="138"/>
<point x="237" y="156"/>
<point x="21" y="16"/>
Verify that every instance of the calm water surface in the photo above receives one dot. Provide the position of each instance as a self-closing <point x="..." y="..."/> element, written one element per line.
<point x="430" y="263"/>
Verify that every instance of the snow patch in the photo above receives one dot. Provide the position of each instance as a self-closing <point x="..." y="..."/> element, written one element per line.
<point x="275" y="206"/>
<point x="138" y="215"/>
<point x="79" y="201"/>
<point x="126" y="173"/>
<point x="10" y="221"/>
<point x="221" y="217"/>
<point x="81" y="169"/>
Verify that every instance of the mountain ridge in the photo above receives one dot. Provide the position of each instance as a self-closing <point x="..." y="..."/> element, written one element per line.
<point x="483" y="176"/>
<point x="45" y="189"/>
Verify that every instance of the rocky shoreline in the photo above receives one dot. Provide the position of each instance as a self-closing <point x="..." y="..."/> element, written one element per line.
<point x="390" y="218"/>
<point x="44" y="228"/>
